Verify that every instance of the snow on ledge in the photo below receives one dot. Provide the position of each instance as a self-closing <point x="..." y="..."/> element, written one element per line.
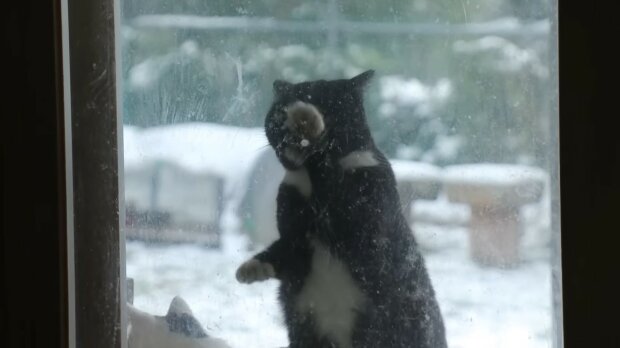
<point x="492" y="174"/>
<point x="196" y="147"/>
<point x="415" y="171"/>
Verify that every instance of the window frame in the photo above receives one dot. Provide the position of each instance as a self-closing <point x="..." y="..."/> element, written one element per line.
<point x="63" y="248"/>
<point x="589" y="161"/>
<point x="93" y="124"/>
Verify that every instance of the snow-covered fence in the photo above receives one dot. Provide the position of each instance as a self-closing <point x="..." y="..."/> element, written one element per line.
<point x="503" y="27"/>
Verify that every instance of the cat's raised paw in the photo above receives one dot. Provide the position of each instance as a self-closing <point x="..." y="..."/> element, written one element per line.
<point x="254" y="271"/>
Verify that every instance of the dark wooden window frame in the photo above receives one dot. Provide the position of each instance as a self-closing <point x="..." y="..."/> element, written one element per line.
<point x="62" y="245"/>
<point x="94" y="126"/>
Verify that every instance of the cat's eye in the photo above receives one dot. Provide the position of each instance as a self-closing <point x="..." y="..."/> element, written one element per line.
<point x="172" y="201"/>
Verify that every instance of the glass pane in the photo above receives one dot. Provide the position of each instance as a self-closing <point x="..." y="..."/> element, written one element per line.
<point x="462" y="104"/>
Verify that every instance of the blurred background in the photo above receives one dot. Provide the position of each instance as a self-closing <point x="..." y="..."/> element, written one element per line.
<point x="463" y="103"/>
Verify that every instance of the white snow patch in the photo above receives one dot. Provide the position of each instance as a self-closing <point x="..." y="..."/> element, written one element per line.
<point x="242" y="315"/>
<point x="482" y="307"/>
<point x="441" y="212"/>
<point x="148" y="72"/>
<point x="415" y="171"/>
<point x="397" y="92"/>
<point x="225" y="151"/>
<point x="197" y="147"/>
<point x="447" y="146"/>
<point x="493" y="174"/>
<point x="504" y="55"/>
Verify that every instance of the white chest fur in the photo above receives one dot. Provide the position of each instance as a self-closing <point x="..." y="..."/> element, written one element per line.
<point x="331" y="296"/>
<point x="300" y="180"/>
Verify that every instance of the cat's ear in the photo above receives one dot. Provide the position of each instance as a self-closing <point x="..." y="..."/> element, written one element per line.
<point x="179" y="306"/>
<point x="280" y="87"/>
<point x="181" y="320"/>
<point x="360" y="81"/>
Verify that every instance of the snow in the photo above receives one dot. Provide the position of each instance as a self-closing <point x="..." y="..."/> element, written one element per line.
<point x="441" y="211"/>
<point x="493" y="174"/>
<point x="415" y="171"/>
<point x="243" y="315"/>
<point x="505" y="55"/>
<point x="148" y="72"/>
<point x="447" y="146"/>
<point x="196" y="147"/>
<point x="397" y="92"/>
<point x="492" y="307"/>
<point x="482" y="307"/>
<point x="225" y="151"/>
<point x="500" y="26"/>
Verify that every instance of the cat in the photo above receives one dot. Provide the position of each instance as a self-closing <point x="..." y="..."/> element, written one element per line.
<point x="177" y="329"/>
<point x="350" y="270"/>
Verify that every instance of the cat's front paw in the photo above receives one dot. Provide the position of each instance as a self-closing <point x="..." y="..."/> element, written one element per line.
<point x="254" y="271"/>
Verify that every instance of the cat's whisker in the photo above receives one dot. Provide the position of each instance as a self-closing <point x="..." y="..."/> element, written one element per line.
<point x="262" y="147"/>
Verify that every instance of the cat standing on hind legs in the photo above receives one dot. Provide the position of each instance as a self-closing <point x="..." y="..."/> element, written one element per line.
<point x="351" y="273"/>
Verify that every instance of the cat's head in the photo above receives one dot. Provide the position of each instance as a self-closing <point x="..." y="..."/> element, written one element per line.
<point x="177" y="329"/>
<point x="317" y="117"/>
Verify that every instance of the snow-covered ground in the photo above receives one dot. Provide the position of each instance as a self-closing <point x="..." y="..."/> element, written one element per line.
<point x="482" y="307"/>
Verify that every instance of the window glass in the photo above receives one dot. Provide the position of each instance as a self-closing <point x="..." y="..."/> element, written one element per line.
<point x="462" y="104"/>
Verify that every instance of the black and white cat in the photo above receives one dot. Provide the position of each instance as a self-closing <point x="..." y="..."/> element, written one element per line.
<point x="351" y="273"/>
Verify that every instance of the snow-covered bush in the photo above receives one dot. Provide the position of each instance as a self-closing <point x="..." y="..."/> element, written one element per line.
<point x="414" y="109"/>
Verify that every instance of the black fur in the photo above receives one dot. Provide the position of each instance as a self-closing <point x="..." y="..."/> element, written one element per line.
<point x="357" y="215"/>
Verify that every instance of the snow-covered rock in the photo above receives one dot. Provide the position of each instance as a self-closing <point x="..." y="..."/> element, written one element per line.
<point x="196" y="150"/>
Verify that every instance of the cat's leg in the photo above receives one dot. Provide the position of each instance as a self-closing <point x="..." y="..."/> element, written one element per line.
<point x="286" y="257"/>
<point x="254" y="270"/>
<point x="264" y="265"/>
<point x="294" y="217"/>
